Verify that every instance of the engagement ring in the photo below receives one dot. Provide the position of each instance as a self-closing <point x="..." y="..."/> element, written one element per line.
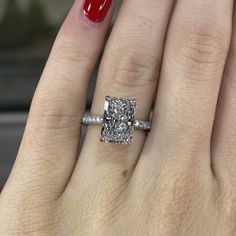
<point x="118" y="121"/>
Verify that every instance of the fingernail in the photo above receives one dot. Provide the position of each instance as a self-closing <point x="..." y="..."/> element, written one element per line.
<point x="96" y="10"/>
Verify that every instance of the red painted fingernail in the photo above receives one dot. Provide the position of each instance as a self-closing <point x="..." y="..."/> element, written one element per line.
<point x="96" y="10"/>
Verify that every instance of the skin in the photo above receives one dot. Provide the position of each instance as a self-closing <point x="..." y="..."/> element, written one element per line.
<point x="178" y="180"/>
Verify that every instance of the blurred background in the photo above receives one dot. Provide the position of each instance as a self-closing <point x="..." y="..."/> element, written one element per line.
<point x="27" y="31"/>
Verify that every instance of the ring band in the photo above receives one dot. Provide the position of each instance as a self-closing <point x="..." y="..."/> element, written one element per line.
<point x="118" y="121"/>
<point x="89" y="119"/>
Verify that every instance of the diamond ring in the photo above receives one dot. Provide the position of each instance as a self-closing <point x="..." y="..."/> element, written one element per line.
<point x="118" y="121"/>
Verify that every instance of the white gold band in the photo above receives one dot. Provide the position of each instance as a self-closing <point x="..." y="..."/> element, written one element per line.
<point x="89" y="119"/>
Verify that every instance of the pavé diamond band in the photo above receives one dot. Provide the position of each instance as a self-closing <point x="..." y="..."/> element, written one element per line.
<point x="89" y="119"/>
<point x="118" y="121"/>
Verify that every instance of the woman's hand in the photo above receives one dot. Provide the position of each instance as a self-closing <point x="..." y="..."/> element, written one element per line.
<point x="178" y="180"/>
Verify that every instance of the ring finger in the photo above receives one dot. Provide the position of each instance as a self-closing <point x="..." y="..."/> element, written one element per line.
<point x="129" y="69"/>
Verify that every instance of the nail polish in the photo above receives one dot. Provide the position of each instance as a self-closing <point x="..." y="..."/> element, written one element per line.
<point x="96" y="10"/>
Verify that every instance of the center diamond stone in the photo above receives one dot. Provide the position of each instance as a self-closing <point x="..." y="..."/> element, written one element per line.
<point x="118" y="120"/>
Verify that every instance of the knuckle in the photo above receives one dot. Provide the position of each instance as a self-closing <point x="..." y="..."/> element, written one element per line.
<point x="70" y="47"/>
<point x="182" y="185"/>
<point x="180" y="188"/>
<point x="48" y="122"/>
<point x="51" y="112"/>
<point x="68" y="50"/>
<point x="203" y="42"/>
<point x="178" y="194"/>
<point x="134" y="70"/>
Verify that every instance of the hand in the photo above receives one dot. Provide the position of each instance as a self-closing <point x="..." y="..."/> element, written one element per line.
<point x="177" y="180"/>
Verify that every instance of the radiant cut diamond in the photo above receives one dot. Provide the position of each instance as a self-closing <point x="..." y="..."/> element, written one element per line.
<point x="118" y="120"/>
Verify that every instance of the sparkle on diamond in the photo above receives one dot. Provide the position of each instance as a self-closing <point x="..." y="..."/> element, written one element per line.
<point x="118" y="120"/>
